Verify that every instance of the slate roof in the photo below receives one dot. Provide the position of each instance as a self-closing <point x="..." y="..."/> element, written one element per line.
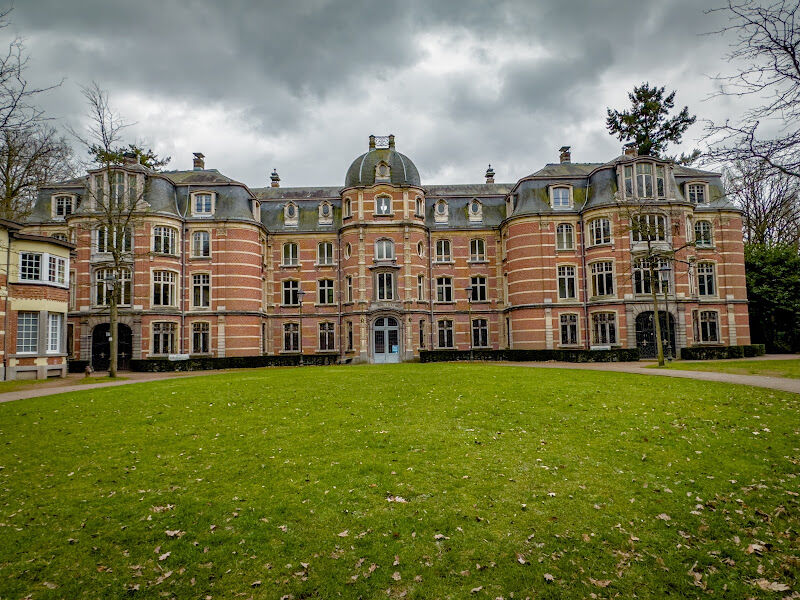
<point x="362" y="170"/>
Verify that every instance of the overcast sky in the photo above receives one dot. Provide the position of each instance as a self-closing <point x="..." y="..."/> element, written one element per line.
<point x="299" y="84"/>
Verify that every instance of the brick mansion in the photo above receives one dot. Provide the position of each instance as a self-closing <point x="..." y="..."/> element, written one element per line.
<point x="385" y="265"/>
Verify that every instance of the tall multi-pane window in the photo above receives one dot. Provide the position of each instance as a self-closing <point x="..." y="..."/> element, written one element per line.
<point x="602" y="278"/>
<point x="661" y="188"/>
<point x="325" y="291"/>
<point x="600" y="231"/>
<point x="201" y="290"/>
<point x="291" y="292"/>
<point x="560" y="197"/>
<point x="102" y="295"/>
<point x="443" y="251"/>
<point x="422" y="333"/>
<point x="706" y="326"/>
<point x="201" y="244"/>
<point x="644" y="179"/>
<point x="419" y="207"/>
<point x="649" y="227"/>
<point x="327" y="339"/>
<point x="421" y="288"/>
<point x="480" y="333"/>
<point x="349" y="336"/>
<point x="569" y="329"/>
<point x="349" y="281"/>
<point x="57" y="270"/>
<point x="604" y="328"/>
<point x="642" y="279"/>
<point x="385" y="286"/>
<point x="290" y="258"/>
<point x="565" y="237"/>
<point x="202" y="205"/>
<point x="117" y="187"/>
<point x="105" y="242"/>
<point x="696" y="192"/>
<point x="384" y="250"/>
<point x="445" y="331"/>
<point x="444" y="289"/>
<point x="477" y="288"/>
<point x="164" y="239"/>
<point x="201" y="333"/>
<point x="477" y="250"/>
<point x="63" y="206"/>
<point x="163" y="338"/>
<point x="291" y="337"/>
<point x="703" y="237"/>
<point x="325" y="253"/>
<point x="628" y="177"/>
<point x="567" y="282"/>
<point x="164" y="288"/>
<point x="348" y="207"/>
<point x="30" y="266"/>
<point x="706" y="284"/>
<point x="27" y="332"/>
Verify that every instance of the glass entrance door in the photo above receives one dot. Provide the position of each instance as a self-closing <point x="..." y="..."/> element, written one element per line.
<point x="386" y="340"/>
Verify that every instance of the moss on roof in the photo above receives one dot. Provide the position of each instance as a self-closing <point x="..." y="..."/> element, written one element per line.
<point x="206" y="176"/>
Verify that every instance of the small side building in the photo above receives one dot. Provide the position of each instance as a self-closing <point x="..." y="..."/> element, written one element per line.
<point x="34" y="299"/>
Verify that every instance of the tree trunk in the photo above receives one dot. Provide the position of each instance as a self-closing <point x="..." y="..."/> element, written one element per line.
<point x="656" y="319"/>
<point x="113" y="329"/>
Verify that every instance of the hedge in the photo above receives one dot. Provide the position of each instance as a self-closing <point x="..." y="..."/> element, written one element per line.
<point x="155" y="365"/>
<point x="719" y="352"/>
<point x="617" y="355"/>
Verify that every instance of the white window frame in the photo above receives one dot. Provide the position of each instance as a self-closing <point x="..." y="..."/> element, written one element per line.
<point x="60" y="201"/>
<point x="349" y="283"/>
<point x="600" y="231"/>
<point x="568" y="274"/>
<point x="28" y="323"/>
<point x="478" y="289"/>
<point x="479" y="328"/>
<point x="708" y="274"/>
<point x="564" y="243"/>
<point x="384" y="249"/>
<point x="703" y="234"/>
<point x="163" y="331"/>
<point x="55" y="325"/>
<point x="649" y="225"/>
<point x="208" y="207"/>
<point x="162" y="279"/>
<point x="641" y="277"/>
<point x="101" y="240"/>
<point x="326" y="292"/>
<point x="419" y="207"/>
<point x="383" y="209"/>
<point x="477" y="250"/>
<point x="444" y="290"/>
<point x="421" y="288"/>
<point x="101" y="292"/>
<point x="569" y="326"/>
<point x="203" y="330"/>
<point x="556" y="191"/>
<point x="165" y="240"/>
<point x="291" y="333"/>
<point x="602" y="279"/>
<point x="292" y="257"/>
<point x="444" y="251"/>
<point x="692" y="187"/>
<point x="348" y="208"/>
<point x="325" y="255"/>
<point x="701" y="331"/>
<point x="604" y="330"/>
<point x="293" y="292"/>
<point x="384" y="286"/>
<point x="50" y="269"/>
<point x="201" y="283"/>
<point x="326" y="336"/>
<point x="196" y="235"/>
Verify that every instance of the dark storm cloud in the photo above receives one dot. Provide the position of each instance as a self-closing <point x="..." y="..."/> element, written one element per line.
<point x="311" y="69"/>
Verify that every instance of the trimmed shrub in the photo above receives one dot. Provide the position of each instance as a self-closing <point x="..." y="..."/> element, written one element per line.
<point x="721" y="352"/>
<point x="617" y="355"/>
<point x="156" y="365"/>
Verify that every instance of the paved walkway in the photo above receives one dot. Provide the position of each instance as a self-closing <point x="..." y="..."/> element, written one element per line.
<point x="71" y="382"/>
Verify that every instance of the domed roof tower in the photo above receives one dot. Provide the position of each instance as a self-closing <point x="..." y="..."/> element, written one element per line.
<point x="382" y="164"/>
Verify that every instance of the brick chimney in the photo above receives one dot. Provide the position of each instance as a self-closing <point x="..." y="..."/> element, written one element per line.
<point x="129" y="158"/>
<point x="275" y="179"/>
<point x="391" y="140"/>
<point x="490" y="174"/>
<point x="372" y="142"/>
<point x="199" y="161"/>
<point x="630" y="149"/>
<point x="565" y="154"/>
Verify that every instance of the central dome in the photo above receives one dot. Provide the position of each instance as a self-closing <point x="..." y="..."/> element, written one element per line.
<point x="382" y="164"/>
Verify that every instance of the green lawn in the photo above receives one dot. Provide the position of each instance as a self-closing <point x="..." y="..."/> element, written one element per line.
<point x="425" y="480"/>
<point x="770" y="368"/>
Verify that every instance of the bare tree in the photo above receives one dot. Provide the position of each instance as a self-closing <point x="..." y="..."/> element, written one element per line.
<point x="770" y="202"/>
<point x="114" y="198"/>
<point x="766" y="48"/>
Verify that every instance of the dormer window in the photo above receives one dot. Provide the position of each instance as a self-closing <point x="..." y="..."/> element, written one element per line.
<point x="441" y="212"/>
<point x="382" y="172"/>
<point x="290" y="214"/>
<point x="696" y="193"/>
<point x="325" y="213"/>
<point x="63" y="206"/>
<point x="475" y="210"/>
<point x="202" y="204"/>
<point x="561" y="197"/>
<point x="383" y="205"/>
<point x="644" y="180"/>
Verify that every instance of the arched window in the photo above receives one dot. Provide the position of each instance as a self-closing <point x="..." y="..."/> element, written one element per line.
<point x="383" y="205"/>
<point x="165" y="240"/>
<point x="290" y="214"/>
<point x="384" y="250"/>
<point x="348" y="207"/>
<point x="475" y="210"/>
<point x="703" y="237"/>
<point x="564" y="237"/>
<point x="419" y="207"/>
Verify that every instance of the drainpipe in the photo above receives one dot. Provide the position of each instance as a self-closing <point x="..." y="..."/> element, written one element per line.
<point x="183" y="265"/>
<point x="339" y="290"/>
<point x="585" y="284"/>
<point x="5" y="309"/>
<point x="430" y="288"/>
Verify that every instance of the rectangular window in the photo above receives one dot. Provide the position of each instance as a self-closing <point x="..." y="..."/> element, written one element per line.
<point x="649" y="227"/>
<point x="567" y="282"/>
<point x="291" y="292"/>
<point x="706" y="326"/>
<point x="163" y="288"/>
<point x="164" y="338"/>
<point x="477" y="250"/>
<point x="107" y="243"/>
<point x="201" y="338"/>
<point x="600" y="231"/>
<point x="164" y="240"/>
<point x="27" y="332"/>
<point x="445" y="330"/>
<point x="628" y="176"/>
<point x="349" y="336"/>
<point x="290" y="255"/>
<point x="696" y="193"/>
<point x="660" y="182"/>
<point x="564" y="237"/>
<point x="201" y="290"/>
<point x="602" y="279"/>
<point x="422" y="333"/>
<point x="703" y="237"/>
<point x="327" y="339"/>
<point x="291" y="337"/>
<point x="569" y="329"/>
<point x="104" y="281"/>
<point x="560" y="197"/>
<point x="480" y="333"/>
<point x="325" y="253"/>
<point x="63" y="206"/>
<point x="30" y="266"/>
<point x="604" y="328"/>
<point x="385" y="283"/>
<point x="325" y="291"/>
<point x="421" y="288"/>
<point x="117" y="188"/>
<point x="133" y="193"/>
<point x="642" y="277"/>
<point x="478" y="289"/>
<point x="54" y="323"/>
<point x="444" y="289"/>
<point x="57" y="270"/>
<point x="443" y="251"/>
<point x="349" y="280"/>
<point x="706" y="285"/>
<point x="644" y="179"/>
<point x="201" y="244"/>
<point x="202" y="205"/>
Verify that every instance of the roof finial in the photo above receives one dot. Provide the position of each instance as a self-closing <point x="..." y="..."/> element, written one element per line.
<point x="391" y="140"/>
<point x="490" y="174"/>
<point x="276" y="180"/>
<point x="372" y="142"/>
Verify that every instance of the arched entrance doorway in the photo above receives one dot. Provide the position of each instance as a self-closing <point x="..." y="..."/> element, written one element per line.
<point x="101" y="347"/>
<point x="646" y="334"/>
<point x="386" y="340"/>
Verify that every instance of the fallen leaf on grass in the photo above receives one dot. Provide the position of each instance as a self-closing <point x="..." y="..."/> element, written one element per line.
<point x="757" y="548"/>
<point x="603" y="583"/>
<point x="344" y="533"/>
<point x="664" y="517"/>
<point x="49" y="585"/>
<point x="396" y="576"/>
<point x="772" y="586"/>
<point x="256" y="583"/>
<point x="548" y="578"/>
<point x="164" y="556"/>
<point x="521" y="559"/>
<point x="175" y="533"/>
<point x="398" y="499"/>
<point x="440" y="536"/>
<point x="476" y="590"/>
